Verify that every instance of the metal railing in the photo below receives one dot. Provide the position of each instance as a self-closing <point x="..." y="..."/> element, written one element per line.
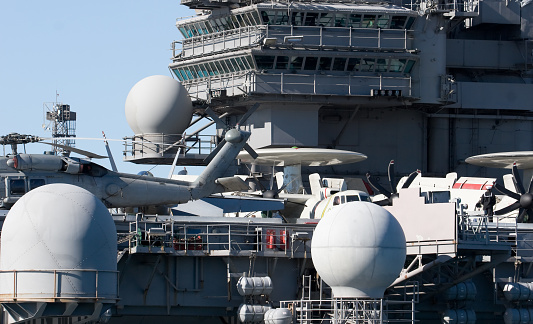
<point x="59" y="284"/>
<point x="367" y="311"/>
<point x="253" y="82"/>
<point x="344" y="38"/>
<point x="289" y="240"/>
<point x="167" y="144"/>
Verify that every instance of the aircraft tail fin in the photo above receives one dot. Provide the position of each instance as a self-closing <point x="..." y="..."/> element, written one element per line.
<point x="314" y="183"/>
<point x="205" y="184"/>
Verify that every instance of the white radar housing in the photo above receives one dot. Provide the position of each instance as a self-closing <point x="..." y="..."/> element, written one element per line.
<point x="158" y="104"/>
<point x="58" y="242"/>
<point x="358" y="249"/>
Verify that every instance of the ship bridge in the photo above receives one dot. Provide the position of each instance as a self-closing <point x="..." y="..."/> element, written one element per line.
<point x="353" y="51"/>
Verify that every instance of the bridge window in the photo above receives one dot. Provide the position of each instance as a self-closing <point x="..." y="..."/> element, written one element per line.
<point x="268" y="17"/>
<point x="398" y="22"/>
<point x="297" y="18"/>
<point x="353" y="64"/>
<point x="310" y="19"/>
<point x="355" y="20"/>
<point x="368" y="21"/>
<point x="296" y="63"/>
<point x="383" y="21"/>
<point x="326" y="19"/>
<point x="382" y="65"/>
<point x="264" y="62"/>
<point x="339" y="64"/>
<point x="324" y="64"/>
<point x="282" y="62"/>
<point x="310" y="63"/>
<point x="409" y="66"/>
<point x="340" y="20"/>
<point x="367" y="64"/>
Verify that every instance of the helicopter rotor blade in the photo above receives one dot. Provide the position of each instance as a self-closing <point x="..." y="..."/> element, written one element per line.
<point x="507" y="209"/>
<point x="77" y="150"/>
<point x="374" y="183"/>
<point x="215" y="151"/>
<point x="521" y="215"/>
<point x="109" y="154"/>
<point x="216" y="119"/>
<point x="250" y="151"/>
<point x="518" y="179"/>
<point x="392" y="176"/>
<point x="410" y="179"/>
<point x="248" y="114"/>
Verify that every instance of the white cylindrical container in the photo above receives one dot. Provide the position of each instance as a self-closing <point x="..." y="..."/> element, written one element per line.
<point x="278" y="316"/>
<point x="471" y="316"/>
<point x="252" y="313"/>
<point x="461" y="291"/>
<point x="449" y="316"/>
<point x="511" y="316"/>
<point x="58" y="241"/>
<point x="511" y="291"/>
<point x="254" y="286"/>
<point x="471" y="290"/>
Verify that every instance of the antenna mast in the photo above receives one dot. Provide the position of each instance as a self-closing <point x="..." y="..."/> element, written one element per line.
<point x="62" y="124"/>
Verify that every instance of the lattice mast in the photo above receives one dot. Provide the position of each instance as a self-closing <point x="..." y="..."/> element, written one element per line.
<point x="62" y="123"/>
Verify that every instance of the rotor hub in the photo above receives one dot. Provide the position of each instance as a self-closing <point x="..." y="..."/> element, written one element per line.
<point x="233" y="136"/>
<point x="526" y="200"/>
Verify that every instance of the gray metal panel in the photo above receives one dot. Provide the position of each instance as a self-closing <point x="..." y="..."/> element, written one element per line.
<point x="473" y="54"/>
<point x="498" y="12"/>
<point x="483" y="95"/>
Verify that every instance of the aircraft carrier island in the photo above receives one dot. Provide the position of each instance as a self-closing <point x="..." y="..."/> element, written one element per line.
<point x="296" y="217"/>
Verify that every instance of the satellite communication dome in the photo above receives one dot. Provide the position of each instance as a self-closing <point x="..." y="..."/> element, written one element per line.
<point x="358" y="249"/>
<point x="58" y="241"/>
<point x="158" y="104"/>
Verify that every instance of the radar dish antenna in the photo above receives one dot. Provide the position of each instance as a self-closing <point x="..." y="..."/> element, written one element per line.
<point x="61" y="121"/>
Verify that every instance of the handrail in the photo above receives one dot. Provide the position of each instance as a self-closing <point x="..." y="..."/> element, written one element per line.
<point x="57" y="284"/>
<point x="210" y="238"/>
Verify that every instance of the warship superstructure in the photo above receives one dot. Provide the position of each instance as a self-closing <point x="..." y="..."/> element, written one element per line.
<point x="428" y="83"/>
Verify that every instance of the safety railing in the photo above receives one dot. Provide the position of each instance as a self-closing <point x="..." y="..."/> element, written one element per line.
<point x="59" y="284"/>
<point x="253" y="82"/>
<point x="227" y="40"/>
<point x="150" y="145"/>
<point x="170" y="237"/>
<point x="368" y="311"/>
<point x="474" y="226"/>
<point x="343" y="38"/>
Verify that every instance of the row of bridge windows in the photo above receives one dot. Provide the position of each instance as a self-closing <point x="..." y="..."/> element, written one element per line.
<point x="293" y="64"/>
<point x="296" y="18"/>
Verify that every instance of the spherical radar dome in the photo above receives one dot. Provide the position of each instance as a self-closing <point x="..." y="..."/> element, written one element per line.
<point x="61" y="228"/>
<point x="358" y="248"/>
<point x="158" y="104"/>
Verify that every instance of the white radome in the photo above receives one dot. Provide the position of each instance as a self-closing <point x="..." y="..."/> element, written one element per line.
<point x="158" y="104"/>
<point x="358" y="249"/>
<point x="64" y="229"/>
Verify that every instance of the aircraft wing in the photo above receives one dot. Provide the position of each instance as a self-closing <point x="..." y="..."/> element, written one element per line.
<point x="232" y="184"/>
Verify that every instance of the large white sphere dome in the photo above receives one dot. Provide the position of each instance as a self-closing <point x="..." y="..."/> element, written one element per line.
<point x="158" y="104"/>
<point x="61" y="231"/>
<point x="358" y="249"/>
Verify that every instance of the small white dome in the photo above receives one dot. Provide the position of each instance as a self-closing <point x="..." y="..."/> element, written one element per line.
<point x="158" y="104"/>
<point x="358" y="249"/>
<point x="59" y="227"/>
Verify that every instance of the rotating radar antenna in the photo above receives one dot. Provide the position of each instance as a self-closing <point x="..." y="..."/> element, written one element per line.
<point x="61" y="121"/>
